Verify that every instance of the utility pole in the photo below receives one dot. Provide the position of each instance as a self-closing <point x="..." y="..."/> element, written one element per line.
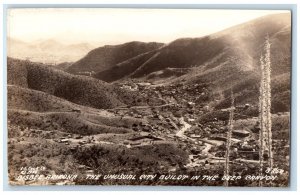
<point x="267" y="48"/>
<point x="261" y="118"/>
<point x="265" y="135"/>
<point x="228" y="143"/>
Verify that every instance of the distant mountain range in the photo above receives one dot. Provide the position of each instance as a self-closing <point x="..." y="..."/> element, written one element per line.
<point x="47" y="51"/>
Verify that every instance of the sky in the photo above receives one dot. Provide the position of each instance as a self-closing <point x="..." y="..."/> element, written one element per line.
<point x="103" y="26"/>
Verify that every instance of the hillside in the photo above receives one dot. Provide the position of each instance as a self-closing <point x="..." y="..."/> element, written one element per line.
<point x="235" y="48"/>
<point x="63" y="66"/>
<point x="33" y="100"/>
<point x="125" y="68"/>
<point x="70" y="122"/>
<point x="224" y="60"/>
<point x="77" y="89"/>
<point x="36" y="109"/>
<point x="106" y="57"/>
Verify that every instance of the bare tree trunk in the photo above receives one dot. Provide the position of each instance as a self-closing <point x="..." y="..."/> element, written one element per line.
<point x="228" y="143"/>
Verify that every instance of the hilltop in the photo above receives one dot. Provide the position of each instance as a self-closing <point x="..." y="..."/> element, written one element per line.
<point x="105" y="57"/>
<point x="81" y="90"/>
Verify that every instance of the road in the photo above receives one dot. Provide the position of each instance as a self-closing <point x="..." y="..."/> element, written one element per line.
<point x="140" y="107"/>
<point x="205" y="151"/>
<point x="185" y="127"/>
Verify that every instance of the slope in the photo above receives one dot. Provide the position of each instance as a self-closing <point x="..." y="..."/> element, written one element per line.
<point x="230" y="52"/>
<point x="39" y="110"/>
<point x="77" y="89"/>
<point x="106" y="57"/>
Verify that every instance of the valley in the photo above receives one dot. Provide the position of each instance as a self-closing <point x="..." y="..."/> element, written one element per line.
<point x="148" y="138"/>
<point x="153" y="108"/>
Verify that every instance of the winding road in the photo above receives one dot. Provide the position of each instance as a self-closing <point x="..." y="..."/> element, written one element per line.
<point x="185" y="127"/>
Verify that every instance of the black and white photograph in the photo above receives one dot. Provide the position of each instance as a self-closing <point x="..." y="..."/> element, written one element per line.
<point x="149" y="97"/>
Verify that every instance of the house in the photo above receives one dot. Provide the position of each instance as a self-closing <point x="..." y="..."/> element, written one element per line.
<point x="76" y="110"/>
<point x="82" y="142"/>
<point x="64" y="140"/>
<point x="79" y="137"/>
<point x="240" y="133"/>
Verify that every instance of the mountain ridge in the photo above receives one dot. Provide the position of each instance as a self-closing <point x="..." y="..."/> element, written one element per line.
<point x="82" y="90"/>
<point x="105" y="57"/>
<point x="240" y="45"/>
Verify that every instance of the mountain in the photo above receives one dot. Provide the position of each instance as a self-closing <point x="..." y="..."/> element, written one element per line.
<point x="237" y="48"/>
<point x="224" y="60"/>
<point x="63" y="66"/>
<point x="47" y="51"/>
<point x="125" y="68"/>
<point x="81" y="90"/>
<point x="103" y="58"/>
